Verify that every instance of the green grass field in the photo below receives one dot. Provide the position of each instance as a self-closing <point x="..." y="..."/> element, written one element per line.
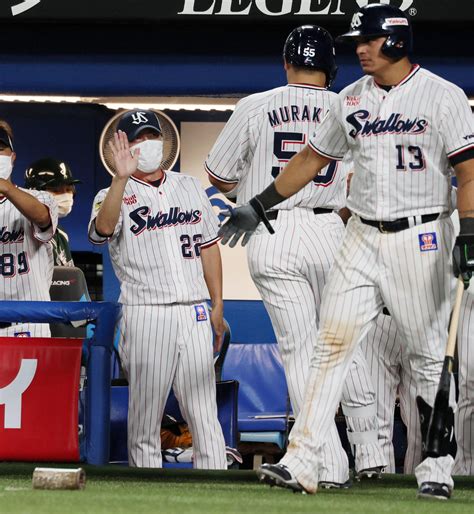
<point x="120" y="490"/>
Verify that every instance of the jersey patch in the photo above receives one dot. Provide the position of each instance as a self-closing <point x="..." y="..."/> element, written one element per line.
<point x="428" y="241"/>
<point x="201" y="314"/>
<point x="353" y="100"/>
<point x="130" y="200"/>
<point x="22" y="334"/>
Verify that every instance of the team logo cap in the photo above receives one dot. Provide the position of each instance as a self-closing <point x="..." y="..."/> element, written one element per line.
<point x="133" y="122"/>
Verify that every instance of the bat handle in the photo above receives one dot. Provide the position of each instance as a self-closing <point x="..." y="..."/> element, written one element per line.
<point x="453" y="326"/>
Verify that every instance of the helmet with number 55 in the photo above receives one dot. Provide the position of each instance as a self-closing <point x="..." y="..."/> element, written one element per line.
<point x="311" y="46"/>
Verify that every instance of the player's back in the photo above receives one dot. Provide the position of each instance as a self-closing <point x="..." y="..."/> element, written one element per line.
<point x="266" y="130"/>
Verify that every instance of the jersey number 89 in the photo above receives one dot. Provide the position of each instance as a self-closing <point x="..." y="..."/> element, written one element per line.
<point x="8" y="266"/>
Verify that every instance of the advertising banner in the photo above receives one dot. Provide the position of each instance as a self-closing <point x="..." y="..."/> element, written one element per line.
<point x="39" y="387"/>
<point x="216" y="10"/>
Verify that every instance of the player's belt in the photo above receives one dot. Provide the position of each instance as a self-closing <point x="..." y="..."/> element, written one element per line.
<point x="273" y="215"/>
<point x="400" y="224"/>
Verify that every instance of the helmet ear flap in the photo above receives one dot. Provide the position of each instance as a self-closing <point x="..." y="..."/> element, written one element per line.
<point x="394" y="47"/>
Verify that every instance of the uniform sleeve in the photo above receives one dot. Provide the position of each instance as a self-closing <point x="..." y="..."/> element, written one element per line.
<point x="94" y="237"/>
<point x="210" y="222"/>
<point x="227" y="158"/>
<point x="329" y="139"/>
<point x="457" y="123"/>
<point x="44" y="236"/>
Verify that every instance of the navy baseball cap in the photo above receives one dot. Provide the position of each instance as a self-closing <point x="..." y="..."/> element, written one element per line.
<point x="5" y="138"/>
<point x="133" y="122"/>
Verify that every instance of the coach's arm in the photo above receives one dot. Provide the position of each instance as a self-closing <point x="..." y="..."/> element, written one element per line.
<point x="212" y="268"/>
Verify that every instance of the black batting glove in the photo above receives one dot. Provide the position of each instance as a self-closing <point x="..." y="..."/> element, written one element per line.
<point x="243" y="221"/>
<point x="463" y="251"/>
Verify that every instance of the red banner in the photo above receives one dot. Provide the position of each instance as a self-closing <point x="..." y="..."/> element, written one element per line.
<point x="39" y="387"/>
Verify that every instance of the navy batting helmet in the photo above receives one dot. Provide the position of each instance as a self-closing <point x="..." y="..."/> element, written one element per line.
<point x="313" y="47"/>
<point x="48" y="173"/>
<point x="377" y="20"/>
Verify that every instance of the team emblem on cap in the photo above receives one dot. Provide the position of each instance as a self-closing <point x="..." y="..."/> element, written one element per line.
<point x="356" y="20"/>
<point x="139" y="117"/>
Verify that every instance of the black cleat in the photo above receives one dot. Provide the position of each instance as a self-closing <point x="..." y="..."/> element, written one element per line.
<point x="370" y="473"/>
<point x="434" y="491"/>
<point x="334" y="485"/>
<point x="279" y="475"/>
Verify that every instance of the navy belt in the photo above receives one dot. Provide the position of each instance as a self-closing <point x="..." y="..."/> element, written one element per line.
<point x="273" y="215"/>
<point x="400" y="224"/>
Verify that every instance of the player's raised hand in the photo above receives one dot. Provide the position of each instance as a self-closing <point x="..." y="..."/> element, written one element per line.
<point x="125" y="160"/>
<point x="243" y="221"/>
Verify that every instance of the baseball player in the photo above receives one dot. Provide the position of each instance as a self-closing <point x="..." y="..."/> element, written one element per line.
<point x="28" y="222"/>
<point x="264" y="132"/>
<point x="403" y="125"/>
<point x="55" y="176"/>
<point x="162" y="236"/>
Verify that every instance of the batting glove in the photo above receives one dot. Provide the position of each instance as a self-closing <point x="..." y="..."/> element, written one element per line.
<point x="463" y="257"/>
<point x="243" y="221"/>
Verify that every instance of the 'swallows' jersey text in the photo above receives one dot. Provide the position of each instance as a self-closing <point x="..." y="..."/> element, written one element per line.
<point x="156" y="245"/>
<point x="401" y="142"/>
<point x="265" y="131"/>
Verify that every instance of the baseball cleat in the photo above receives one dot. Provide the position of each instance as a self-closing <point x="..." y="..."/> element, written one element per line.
<point x="279" y="475"/>
<point x="370" y="473"/>
<point x="334" y="485"/>
<point x="434" y="491"/>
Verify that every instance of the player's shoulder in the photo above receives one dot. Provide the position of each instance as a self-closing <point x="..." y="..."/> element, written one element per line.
<point x="427" y="76"/>
<point x="182" y="178"/>
<point x="257" y="100"/>
<point x="39" y="195"/>
<point x="357" y="88"/>
<point x="100" y="195"/>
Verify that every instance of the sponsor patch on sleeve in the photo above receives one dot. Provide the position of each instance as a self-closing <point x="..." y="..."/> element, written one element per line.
<point x="428" y="241"/>
<point x="201" y="313"/>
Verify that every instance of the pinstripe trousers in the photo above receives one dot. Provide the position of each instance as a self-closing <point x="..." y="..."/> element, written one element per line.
<point x="290" y="269"/>
<point x="464" y="417"/>
<point x="389" y="364"/>
<point x="373" y="269"/>
<point x="164" y="346"/>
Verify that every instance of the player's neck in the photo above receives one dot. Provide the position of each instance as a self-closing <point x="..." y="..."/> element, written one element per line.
<point x="314" y="78"/>
<point x="393" y="74"/>
<point x="149" y="177"/>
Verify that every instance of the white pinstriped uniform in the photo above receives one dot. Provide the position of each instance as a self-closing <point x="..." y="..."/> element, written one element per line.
<point x="166" y="337"/>
<point x="464" y="417"/>
<point x="26" y="259"/>
<point x="400" y="142"/>
<point x="389" y="363"/>
<point x="290" y="267"/>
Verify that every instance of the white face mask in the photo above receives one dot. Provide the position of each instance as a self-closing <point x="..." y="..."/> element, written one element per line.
<point x="65" y="202"/>
<point x="6" y="166"/>
<point x="151" y="154"/>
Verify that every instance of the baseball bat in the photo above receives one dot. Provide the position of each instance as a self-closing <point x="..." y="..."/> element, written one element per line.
<point x="439" y="421"/>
